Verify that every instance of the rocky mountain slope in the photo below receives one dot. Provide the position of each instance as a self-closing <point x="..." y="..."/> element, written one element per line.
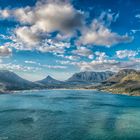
<point x="11" y="81"/>
<point x="51" y="83"/>
<point x="49" y="80"/>
<point x="90" y="77"/>
<point x="126" y="81"/>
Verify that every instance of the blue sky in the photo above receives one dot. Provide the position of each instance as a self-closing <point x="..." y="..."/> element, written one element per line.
<point x="61" y="37"/>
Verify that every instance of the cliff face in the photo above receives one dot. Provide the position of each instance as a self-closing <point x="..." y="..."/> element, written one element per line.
<point x="91" y="77"/>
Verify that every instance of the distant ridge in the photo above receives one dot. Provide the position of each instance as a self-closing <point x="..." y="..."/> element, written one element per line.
<point x="90" y="76"/>
<point x="11" y="81"/>
<point x="126" y="81"/>
<point x="121" y="74"/>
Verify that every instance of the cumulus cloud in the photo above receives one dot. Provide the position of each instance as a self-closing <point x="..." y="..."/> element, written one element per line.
<point x="62" y="62"/>
<point x="24" y="15"/>
<point x="38" y="22"/>
<point x="83" y="51"/>
<point x="48" y="17"/>
<point x="52" y="49"/>
<point x="101" y="55"/>
<point x="54" y="46"/>
<point x="111" y="65"/>
<point x="61" y="17"/>
<point x="107" y="17"/>
<point x="98" y="34"/>
<point x="126" y="53"/>
<point x="4" y="13"/>
<point x="96" y="65"/>
<point x="5" y="51"/>
<point x="55" y="66"/>
<point x="30" y="62"/>
<point x="18" y="67"/>
<point x="49" y="27"/>
<point x="70" y="57"/>
<point x="27" y="36"/>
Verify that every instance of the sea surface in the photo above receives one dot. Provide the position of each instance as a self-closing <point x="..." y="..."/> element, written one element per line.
<point x="69" y="115"/>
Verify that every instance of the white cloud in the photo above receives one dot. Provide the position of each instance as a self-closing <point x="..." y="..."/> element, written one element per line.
<point x="62" y="62"/>
<point x="101" y="56"/>
<point x="55" y="66"/>
<point x="54" y="46"/>
<point x="4" y="13"/>
<point x="18" y="67"/>
<point x="72" y="57"/>
<point x="38" y="22"/>
<point x="137" y="16"/>
<point x="98" y="34"/>
<point x="83" y="51"/>
<point x="48" y="17"/>
<point x="105" y="65"/>
<point x="30" y="62"/>
<point x="5" y="51"/>
<point x="62" y="17"/>
<point x="126" y="53"/>
<point x="24" y="15"/>
<point x="134" y="31"/>
<point x="91" y="56"/>
<point x="97" y="65"/>
<point x="26" y="35"/>
<point x="107" y="17"/>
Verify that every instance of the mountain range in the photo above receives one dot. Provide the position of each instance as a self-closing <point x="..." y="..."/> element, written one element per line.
<point x="11" y="81"/>
<point x="90" y="77"/>
<point x="124" y="81"/>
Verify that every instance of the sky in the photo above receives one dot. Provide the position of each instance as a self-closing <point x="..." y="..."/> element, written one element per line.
<point x="62" y="37"/>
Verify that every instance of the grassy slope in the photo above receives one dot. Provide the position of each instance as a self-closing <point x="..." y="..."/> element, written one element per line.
<point x="129" y="84"/>
<point x="125" y="84"/>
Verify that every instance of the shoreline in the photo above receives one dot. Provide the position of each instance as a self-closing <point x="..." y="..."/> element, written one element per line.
<point x="121" y="93"/>
<point x="102" y="90"/>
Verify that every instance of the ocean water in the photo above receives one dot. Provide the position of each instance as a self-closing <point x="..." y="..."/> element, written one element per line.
<point x="69" y="115"/>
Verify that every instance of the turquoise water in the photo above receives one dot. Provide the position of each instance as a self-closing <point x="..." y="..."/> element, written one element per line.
<point x="69" y="115"/>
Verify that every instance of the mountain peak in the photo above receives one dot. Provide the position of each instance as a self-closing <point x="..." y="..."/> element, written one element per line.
<point x="49" y="77"/>
<point x="49" y="80"/>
